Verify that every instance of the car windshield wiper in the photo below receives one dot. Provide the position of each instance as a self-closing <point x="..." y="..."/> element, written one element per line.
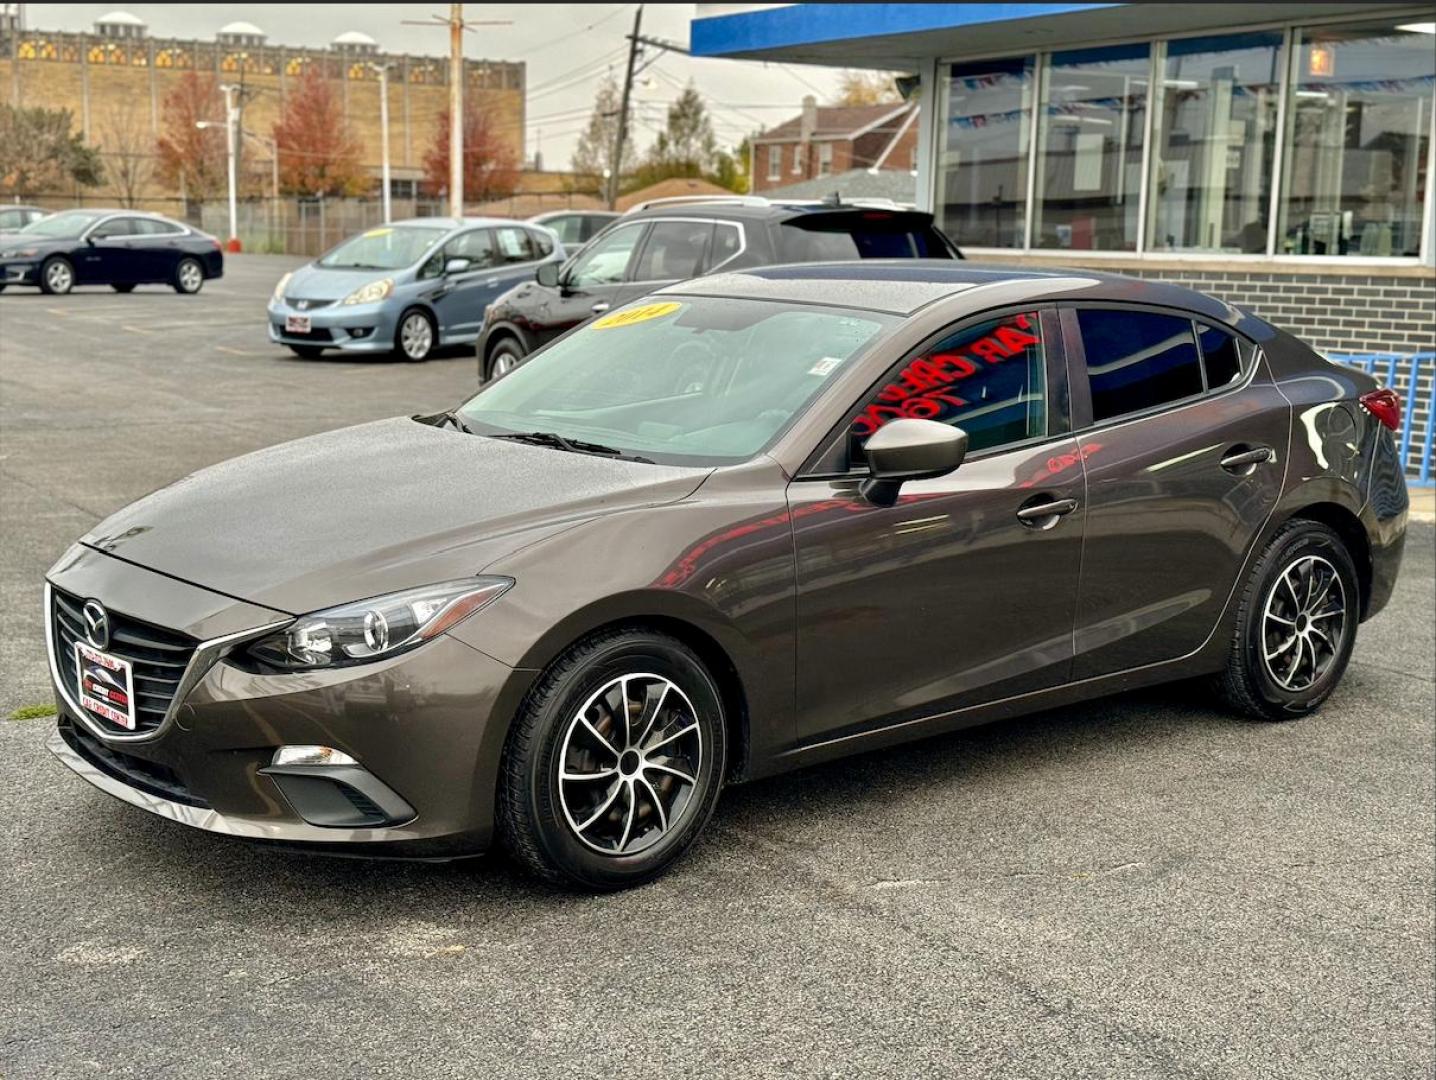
<point x="573" y="446"/>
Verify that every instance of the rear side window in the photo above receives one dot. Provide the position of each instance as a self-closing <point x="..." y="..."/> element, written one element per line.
<point x="674" y="250"/>
<point x="156" y="227"/>
<point x="988" y="379"/>
<point x="858" y="236"/>
<point x="514" y="245"/>
<point x="477" y="246"/>
<point x="1220" y="357"/>
<point x="1138" y="360"/>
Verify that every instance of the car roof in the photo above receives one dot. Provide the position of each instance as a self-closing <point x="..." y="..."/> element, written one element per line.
<point x="549" y="215"/>
<point x="452" y="223"/>
<point x="903" y="286"/>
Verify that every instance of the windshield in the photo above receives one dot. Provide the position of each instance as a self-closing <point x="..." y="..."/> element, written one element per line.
<point x="66" y="226"/>
<point x="691" y="380"/>
<point x="391" y="247"/>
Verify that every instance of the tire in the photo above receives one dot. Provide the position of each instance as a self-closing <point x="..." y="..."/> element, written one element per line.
<point x="1287" y="652"/>
<point x="189" y="277"/>
<point x="504" y="357"/>
<point x="57" y="276"/>
<point x="416" y="335"/>
<point x="307" y="352"/>
<point x="123" y="288"/>
<point x="660" y="798"/>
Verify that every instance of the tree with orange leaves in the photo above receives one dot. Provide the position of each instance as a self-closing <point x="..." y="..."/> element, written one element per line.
<point x="192" y="158"/>
<point x="490" y="170"/>
<point x="318" y="153"/>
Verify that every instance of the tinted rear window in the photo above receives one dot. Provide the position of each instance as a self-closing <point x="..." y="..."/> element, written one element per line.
<point x="859" y="238"/>
<point x="1219" y="354"/>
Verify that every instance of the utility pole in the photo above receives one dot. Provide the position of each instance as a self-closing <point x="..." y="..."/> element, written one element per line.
<point x="456" y="110"/>
<point x="456" y="24"/>
<point x="383" y="70"/>
<point x="633" y="46"/>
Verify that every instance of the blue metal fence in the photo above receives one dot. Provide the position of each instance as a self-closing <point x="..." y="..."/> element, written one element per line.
<point x="1413" y="376"/>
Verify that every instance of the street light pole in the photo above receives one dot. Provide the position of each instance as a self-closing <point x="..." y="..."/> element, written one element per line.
<point x="383" y="70"/>
<point x="456" y="110"/>
<point x="231" y="115"/>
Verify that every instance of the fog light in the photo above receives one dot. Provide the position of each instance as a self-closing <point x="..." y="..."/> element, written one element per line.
<point x="311" y="755"/>
<point x="360" y="331"/>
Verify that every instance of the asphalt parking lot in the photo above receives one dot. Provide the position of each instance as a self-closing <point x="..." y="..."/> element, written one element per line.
<point x="1140" y="887"/>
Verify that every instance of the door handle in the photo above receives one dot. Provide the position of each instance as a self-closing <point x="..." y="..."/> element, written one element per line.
<point x="1045" y="514"/>
<point x="600" y="307"/>
<point x="1243" y="461"/>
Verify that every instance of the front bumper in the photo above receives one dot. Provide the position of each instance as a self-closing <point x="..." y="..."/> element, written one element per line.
<point x="20" y="273"/>
<point x="426" y="728"/>
<point x="357" y="328"/>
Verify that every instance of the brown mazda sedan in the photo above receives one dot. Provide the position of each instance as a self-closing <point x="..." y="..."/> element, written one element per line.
<point x="748" y="523"/>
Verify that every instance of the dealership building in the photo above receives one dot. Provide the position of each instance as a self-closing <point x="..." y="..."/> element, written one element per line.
<point x="1277" y="155"/>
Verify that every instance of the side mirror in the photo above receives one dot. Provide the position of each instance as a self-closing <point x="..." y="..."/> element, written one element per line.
<point x="547" y="275"/>
<point x="910" y="450"/>
<point x="457" y="265"/>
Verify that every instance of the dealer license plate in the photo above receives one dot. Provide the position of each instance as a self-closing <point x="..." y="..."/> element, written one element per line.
<point x="107" y="685"/>
<point x="296" y="324"/>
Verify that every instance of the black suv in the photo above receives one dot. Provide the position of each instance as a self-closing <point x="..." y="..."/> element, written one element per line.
<point x="669" y="240"/>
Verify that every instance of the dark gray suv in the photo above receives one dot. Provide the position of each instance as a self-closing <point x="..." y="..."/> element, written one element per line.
<point x="748" y="523"/>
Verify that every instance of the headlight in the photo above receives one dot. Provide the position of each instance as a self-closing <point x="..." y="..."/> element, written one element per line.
<point x="19" y="253"/>
<point x="371" y="293"/>
<point x="375" y="629"/>
<point x="279" y="289"/>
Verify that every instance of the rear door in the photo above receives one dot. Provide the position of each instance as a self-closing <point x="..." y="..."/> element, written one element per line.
<point x="1185" y="442"/>
<point x="156" y="250"/>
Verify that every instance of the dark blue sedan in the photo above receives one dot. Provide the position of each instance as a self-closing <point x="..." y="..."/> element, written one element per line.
<point x="118" y="248"/>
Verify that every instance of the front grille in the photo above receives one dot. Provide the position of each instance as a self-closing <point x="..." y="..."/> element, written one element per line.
<point x="148" y="776"/>
<point x="308" y="305"/>
<point x="159" y="658"/>
<point x="318" y="333"/>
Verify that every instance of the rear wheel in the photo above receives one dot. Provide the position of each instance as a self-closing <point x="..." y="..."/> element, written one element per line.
<point x="123" y="288"/>
<point x="189" y="277"/>
<point x="307" y="352"/>
<point x="414" y="340"/>
<point x="57" y="276"/>
<point x="504" y="357"/>
<point x="1296" y="625"/>
<point x="615" y="762"/>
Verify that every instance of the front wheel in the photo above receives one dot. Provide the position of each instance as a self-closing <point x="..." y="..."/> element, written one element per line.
<point x="504" y="357"/>
<point x="189" y="277"/>
<point x="414" y="339"/>
<point x="57" y="276"/>
<point x="1296" y="625"/>
<point x="615" y="762"/>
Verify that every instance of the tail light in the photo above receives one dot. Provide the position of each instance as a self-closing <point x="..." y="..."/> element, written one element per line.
<point x="1385" y="405"/>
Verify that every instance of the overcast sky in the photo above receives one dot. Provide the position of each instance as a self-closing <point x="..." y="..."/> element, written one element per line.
<point x="561" y="78"/>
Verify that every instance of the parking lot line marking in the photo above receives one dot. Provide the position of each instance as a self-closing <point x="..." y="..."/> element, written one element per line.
<point x="58" y="311"/>
<point x="135" y="329"/>
<point x="237" y="352"/>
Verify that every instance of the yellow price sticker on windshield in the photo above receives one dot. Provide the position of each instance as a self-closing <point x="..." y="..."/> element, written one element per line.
<point x="636" y="315"/>
<point x="378" y="232"/>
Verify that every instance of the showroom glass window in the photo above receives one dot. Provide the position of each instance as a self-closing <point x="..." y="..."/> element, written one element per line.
<point x="1215" y="139"/>
<point x="983" y="152"/>
<point x="1091" y="128"/>
<point x="1358" y="127"/>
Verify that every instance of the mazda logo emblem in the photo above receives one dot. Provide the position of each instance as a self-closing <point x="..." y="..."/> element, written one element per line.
<point x="97" y="624"/>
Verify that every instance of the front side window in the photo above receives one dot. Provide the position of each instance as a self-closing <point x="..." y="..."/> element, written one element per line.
<point x="674" y="251"/>
<point x="477" y="246"/>
<point x="542" y="243"/>
<point x="122" y="226"/>
<point x="982" y="152"/>
<point x="389" y="247"/>
<point x="1138" y="360"/>
<point x="1091" y="129"/>
<point x="605" y="261"/>
<point x="989" y="379"/>
<point x="683" y="380"/>
<point x="727" y="242"/>
<point x="1216" y="109"/>
<point x="1357" y="132"/>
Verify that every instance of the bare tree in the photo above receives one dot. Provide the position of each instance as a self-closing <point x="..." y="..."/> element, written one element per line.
<point x="127" y="141"/>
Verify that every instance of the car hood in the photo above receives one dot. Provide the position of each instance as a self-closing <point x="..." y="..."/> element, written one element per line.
<point x="9" y="240"/>
<point x="371" y="509"/>
<point x="314" y="282"/>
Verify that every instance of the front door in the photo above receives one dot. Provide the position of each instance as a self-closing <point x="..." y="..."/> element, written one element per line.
<point x="107" y="257"/>
<point x="460" y="298"/>
<point x="965" y="590"/>
<point x="596" y="280"/>
<point x="1185" y="454"/>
